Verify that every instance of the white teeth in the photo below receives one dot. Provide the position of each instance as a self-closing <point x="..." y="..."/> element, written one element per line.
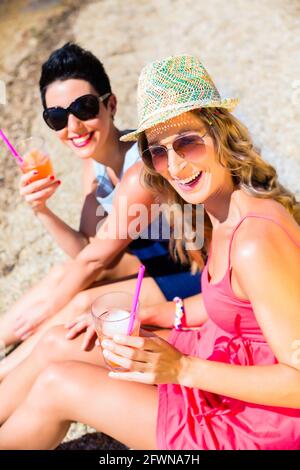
<point x="190" y="179"/>
<point x="81" y="140"/>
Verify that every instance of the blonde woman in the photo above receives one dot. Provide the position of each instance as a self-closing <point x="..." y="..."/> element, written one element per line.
<point x="232" y="383"/>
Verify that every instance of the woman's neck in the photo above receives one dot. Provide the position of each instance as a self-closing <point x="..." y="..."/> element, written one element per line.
<point x="112" y="154"/>
<point x="223" y="208"/>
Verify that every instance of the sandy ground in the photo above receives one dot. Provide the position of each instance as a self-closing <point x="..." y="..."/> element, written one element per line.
<point x="250" y="48"/>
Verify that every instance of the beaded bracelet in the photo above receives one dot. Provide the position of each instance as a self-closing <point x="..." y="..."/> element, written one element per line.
<point x="179" y="313"/>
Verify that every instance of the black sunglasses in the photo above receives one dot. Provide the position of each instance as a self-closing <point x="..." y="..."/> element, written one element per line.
<point x="85" y="107"/>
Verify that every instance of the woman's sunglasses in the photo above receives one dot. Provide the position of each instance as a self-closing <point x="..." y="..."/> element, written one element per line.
<point x="85" y="107"/>
<point x="188" y="146"/>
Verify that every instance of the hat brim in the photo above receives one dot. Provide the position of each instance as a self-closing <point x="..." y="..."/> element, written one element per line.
<point x="227" y="103"/>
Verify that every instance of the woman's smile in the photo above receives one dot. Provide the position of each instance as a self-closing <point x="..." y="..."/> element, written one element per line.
<point x="82" y="140"/>
<point x="188" y="184"/>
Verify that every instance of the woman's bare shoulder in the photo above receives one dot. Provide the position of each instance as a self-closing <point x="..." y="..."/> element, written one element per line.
<point x="135" y="171"/>
<point x="132" y="186"/>
<point x="268" y="208"/>
<point x="274" y="228"/>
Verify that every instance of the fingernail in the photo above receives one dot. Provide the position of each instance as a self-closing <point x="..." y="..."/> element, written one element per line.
<point x="105" y="353"/>
<point x="58" y="181"/>
<point x="118" y="338"/>
<point x="112" y="374"/>
<point x="105" y="344"/>
<point x="52" y="178"/>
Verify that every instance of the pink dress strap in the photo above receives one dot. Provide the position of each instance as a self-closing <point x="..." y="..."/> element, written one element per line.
<point x="259" y="216"/>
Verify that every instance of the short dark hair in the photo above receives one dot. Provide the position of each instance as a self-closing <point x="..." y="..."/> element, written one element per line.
<point x="72" y="61"/>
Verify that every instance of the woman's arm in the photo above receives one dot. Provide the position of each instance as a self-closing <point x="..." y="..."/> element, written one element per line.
<point x="274" y="385"/>
<point x="72" y="241"/>
<point x="267" y="268"/>
<point x="111" y="239"/>
<point x="163" y="314"/>
<point x="68" y="239"/>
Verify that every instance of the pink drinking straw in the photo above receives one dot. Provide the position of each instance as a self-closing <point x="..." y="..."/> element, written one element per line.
<point x="135" y="299"/>
<point x="11" y="148"/>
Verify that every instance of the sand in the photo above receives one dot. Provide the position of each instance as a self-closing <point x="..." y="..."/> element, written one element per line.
<point x="250" y="48"/>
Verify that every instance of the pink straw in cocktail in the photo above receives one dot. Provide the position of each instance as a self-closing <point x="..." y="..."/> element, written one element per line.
<point x="11" y="148"/>
<point x="135" y="299"/>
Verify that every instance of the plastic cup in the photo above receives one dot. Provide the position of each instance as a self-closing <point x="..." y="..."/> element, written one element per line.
<point x="35" y="157"/>
<point x="111" y="316"/>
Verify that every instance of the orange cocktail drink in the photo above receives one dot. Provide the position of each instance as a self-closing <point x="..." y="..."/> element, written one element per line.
<point x="35" y="157"/>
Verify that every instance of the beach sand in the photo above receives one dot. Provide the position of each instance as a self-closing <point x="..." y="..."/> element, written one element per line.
<point x="252" y="48"/>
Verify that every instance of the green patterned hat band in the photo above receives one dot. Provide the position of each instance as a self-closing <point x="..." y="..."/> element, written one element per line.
<point x="172" y="86"/>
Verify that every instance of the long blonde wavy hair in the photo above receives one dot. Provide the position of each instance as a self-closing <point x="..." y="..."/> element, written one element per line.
<point x="235" y="151"/>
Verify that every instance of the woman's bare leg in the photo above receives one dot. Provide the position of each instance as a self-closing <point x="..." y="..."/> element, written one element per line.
<point x="75" y="391"/>
<point x="124" y="266"/>
<point x="7" y="320"/>
<point x="150" y="295"/>
<point x="53" y="347"/>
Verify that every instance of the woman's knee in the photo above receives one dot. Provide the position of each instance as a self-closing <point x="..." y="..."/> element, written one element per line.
<point x="48" y="390"/>
<point x="80" y="304"/>
<point x="52" y="346"/>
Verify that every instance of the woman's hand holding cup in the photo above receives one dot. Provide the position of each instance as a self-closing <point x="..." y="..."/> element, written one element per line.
<point x="36" y="193"/>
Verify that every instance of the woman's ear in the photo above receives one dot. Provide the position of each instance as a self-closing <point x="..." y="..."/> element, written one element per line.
<point x="112" y="105"/>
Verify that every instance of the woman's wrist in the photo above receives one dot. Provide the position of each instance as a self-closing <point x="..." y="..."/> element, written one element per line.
<point x="42" y="210"/>
<point x="184" y="370"/>
<point x="158" y="315"/>
<point x="149" y="315"/>
<point x="190" y="368"/>
<point x="145" y="315"/>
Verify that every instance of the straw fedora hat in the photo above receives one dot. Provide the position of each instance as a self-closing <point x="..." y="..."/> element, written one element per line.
<point x="172" y="86"/>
